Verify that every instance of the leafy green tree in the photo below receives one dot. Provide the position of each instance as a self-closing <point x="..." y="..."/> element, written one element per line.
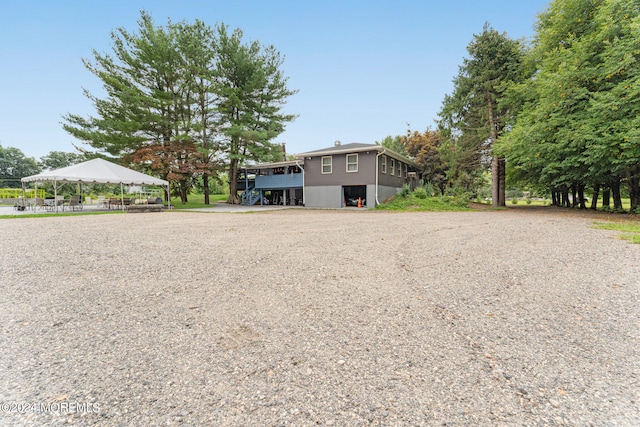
<point x="252" y="91"/>
<point x="578" y="122"/>
<point x="612" y="130"/>
<point x="394" y="143"/>
<point x="60" y="159"/>
<point x="14" y="165"/>
<point x="472" y="118"/>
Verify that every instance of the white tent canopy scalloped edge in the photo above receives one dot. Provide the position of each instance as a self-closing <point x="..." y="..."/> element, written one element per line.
<point x="98" y="171"/>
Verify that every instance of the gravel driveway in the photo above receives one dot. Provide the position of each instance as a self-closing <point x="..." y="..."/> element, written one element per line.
<point x="307" y="317"/>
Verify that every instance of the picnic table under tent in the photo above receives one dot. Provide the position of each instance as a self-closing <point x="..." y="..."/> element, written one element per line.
<point x="97" y="171"/>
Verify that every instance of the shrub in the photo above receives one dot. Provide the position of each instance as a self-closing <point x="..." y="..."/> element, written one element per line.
<point x="458" y="196"/>
<point x="420" y="193"/>
<point x="405" y="191"/>
<point x="430" y="189"/>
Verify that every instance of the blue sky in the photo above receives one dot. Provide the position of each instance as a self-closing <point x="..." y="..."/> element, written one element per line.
<point x="364" y="69"/>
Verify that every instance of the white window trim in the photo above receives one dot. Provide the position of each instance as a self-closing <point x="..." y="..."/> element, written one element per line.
<point x="347" y="161"/>
<point x="383" y="167"/>
<point x="399" y="169"/>
<point x="322" y="165"/>
<point x="405" y="168"/>
<point x="392" y="167"/>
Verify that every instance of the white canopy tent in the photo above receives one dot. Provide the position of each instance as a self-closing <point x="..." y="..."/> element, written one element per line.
<point x="98" y="171"/>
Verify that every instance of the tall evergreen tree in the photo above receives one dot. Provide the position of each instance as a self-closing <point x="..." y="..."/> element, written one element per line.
<point x="142" y="118"/>
<point x="472" y="118"/>
<point x="252" y="91"/>
<point x="197" y="45"/>
<point x="183" y="97"/>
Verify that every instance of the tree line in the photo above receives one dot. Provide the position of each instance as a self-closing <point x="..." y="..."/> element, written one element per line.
<point x="559" y="115"/>
<point x="14" y="165"/>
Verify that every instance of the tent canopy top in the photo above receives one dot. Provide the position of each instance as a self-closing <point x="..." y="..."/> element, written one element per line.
<point x="97" y="171"/>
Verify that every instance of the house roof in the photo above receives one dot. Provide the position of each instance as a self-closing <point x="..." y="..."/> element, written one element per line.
<point x="356" y="147"/>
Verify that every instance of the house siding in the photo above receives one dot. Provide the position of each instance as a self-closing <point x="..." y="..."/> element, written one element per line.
<point x="386" y="178"/>
<point x="339" y="175"/>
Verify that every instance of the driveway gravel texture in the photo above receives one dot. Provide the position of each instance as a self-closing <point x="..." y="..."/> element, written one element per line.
<point x="313" y="317"/>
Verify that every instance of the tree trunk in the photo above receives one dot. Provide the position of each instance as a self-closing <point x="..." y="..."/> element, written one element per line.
<point x="502" y="182"/>
<point x="184" y="191"/>
<point x="566" y="203"/>
<point x="205" y="141"/>
<point x="497" y="165"/>
<point x="617" y="199"/>
<point x="581" y="196"/>
<point x="495" y="182"/>
<point x="205" y="184"/>
<point x="606" y="197"/>
<point x="633" y="182"/>
<point x="574" y="196"/>
<point x="233" y="198"/>
<point x="498" y="182"/>
<point x="554" y="198"/>
<point x="596" y="194"/>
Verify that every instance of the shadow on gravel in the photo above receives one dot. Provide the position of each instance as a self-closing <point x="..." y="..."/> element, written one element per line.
<point x="554" y="210"/>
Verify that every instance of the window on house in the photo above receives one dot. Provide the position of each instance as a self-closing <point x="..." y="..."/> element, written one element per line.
<point x="326" y="164"/>
<point x="383" y="167"/>
<point x="392" y="167"/>
<point x="352" y="163"/>
<point x="399" y="169"/>
<point x="404" y="167"/>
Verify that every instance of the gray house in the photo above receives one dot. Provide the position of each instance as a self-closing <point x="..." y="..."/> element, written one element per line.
<point x="334" y="177"/>
<point x="340" y="175"/>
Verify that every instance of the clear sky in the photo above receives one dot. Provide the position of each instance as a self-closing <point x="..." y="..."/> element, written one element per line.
<point x="364" y="68"/>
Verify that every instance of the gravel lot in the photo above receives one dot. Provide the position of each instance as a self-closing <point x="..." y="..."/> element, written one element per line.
<point x="307" y="317"/>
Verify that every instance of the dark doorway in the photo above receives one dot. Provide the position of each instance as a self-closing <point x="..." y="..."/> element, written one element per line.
<point x="352" y="193"/>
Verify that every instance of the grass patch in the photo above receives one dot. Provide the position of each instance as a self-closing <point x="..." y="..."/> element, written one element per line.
<point x="54" y="214"/>
<point x="430" y="204"/>
<point x="197" y="201"/>
<point x="631" y="237"/>
<point x="630" y="230"/>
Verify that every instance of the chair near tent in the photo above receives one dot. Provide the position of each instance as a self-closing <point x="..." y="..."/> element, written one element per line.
<point x="39" y="203"/>
<point x="102" y="202"/>
<point x="75" y="202"/>
<point x="21" y="204"/>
